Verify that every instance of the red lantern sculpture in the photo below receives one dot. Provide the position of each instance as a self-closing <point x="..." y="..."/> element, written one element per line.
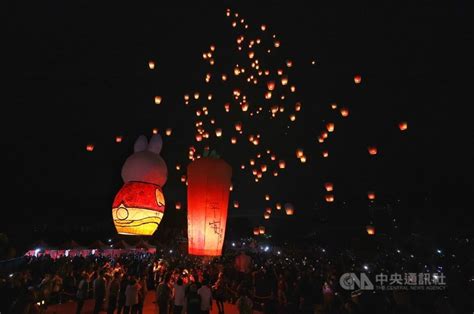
<point x="208" y="198"/>
<point x="139" y="205"/>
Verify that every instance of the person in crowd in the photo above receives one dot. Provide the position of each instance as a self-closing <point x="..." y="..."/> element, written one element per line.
<point x="193" y="300"/>
<point x="114" y="289"/>
<point x="244" y="303"/>
<point x="122" y="297"/>
<point x="163" y="295"/>
<point x="206" y="297"/>
<point x="219" y="290"/>
<point x="99" y="292"/>
<point x="179" y="294"/>
<point x="82" y="292"/>
<point x="142" y="292"/>
<point x="131" y="297"/>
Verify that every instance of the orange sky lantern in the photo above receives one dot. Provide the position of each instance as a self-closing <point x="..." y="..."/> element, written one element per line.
<point x="298" y="106"/>
<point x="151" y="64"/>
<point x="299" y="153"/>
<point x="261" y="229"/>
<point x="284" y="80"/>
<point x="118" y="139"/>
<point x="281" y="164"/>
<point x="357" y="79"/>
<point x="155" y="131"/>
<point x="208" y="197"/>
<point x="271" y="85"/>
<point x="371" y="195"/>
<point x="329" y="198"/>
<point x="372" y="150"/>
<point x="278" y="206"/>
<point x="218" y="132"/>
<point x="256" y="231"/>
<point x="177" y="205"/>
<point x="325" y="154"/>
<point x="227" y="107"/>
<point x="236" y="204"/>
<point x="158" y="100"/>
<point x="266" y="215"/>
<point x="238" y="126"/>
<point x="330" y="127"/>
<point x="289" y="209"/>
<point x="344" y="112"/>
<point x="233" y="140"/>
<point x="403" y="126"/>
<point x="90" y="147"/>
<point x="328" y="186"/>
<point x="267" y="197"/>
<point x="169" y="131"/>
<point x="370" y="230"/>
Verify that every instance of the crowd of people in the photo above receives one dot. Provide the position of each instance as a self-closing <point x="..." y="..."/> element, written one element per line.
<point x="269" y="280"/>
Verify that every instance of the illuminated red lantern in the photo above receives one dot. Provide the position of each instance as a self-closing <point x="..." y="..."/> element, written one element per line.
<point x="208" y="198"/>
<point x="344" y="112"/>
<point x="266" y="216"/>
<point x="90" y="147"/>
<point x="177" y="205"/>
<point x="138" y="208"/>
<point x="357" y="79"/>
<point x="261" y="229"/>
<point x="329" y="198"/>
<point x="289" y="209"/>
<point x="325" y="154"/>
<point x="236" y="204"/>
<point x="256" y="231"/>
<point x="371" y="195"/>
<point x="330" y="127"/>
<point x="238" y="126"/>
<point x="227" y="107"/>
<point x="329" y="186"/>
<point x="370" y="230"/>
<point x="372" y="150"/>
<point x="278" y="206"/>
<point x="271" y="85"/>
<point x="403" y="126"/>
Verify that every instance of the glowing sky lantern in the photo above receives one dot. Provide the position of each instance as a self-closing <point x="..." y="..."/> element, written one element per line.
<point x="183" y="178"/>
<point x="268" y="95"/>
<point x="303" y="159"/>
<point x="330" y="127"/>
<point x="266" y="215"/>
<point x="328" y="186"/>
<point x="370" y="230"/>
<point x="372" y="150"/>
<point x="281" y="164"/>
<point x="118" y="139"/>
<point x="284" y="80"/>
<point x="251" y="54"/>
<point x="236" y="204"/>
<point x="177" y="205"/>
<point x="196" y="95"/>
<point x="198" y="137"/>
<point x="298" y="106"/>
<point x="155" y="131"/>
<point x="344" y="112"/>
<point x="276" y="43"/>
<point x="233" y="140"/>
<point x="261" y="229"/>
<point x="267" y="197"/>
<point x="289" y="63"/>
<point x="292" y="117"/>
<point x="256" y="231"/>
<point x="90" y="147"/>
<point x="263" y="27"/>
<point x="151" y="64"/>
<point x="333" y="105"/>
<point x="278" y="206"/>
<point x="357" y="79"/>
<point x="218" y="132"/>
<point x="293" y="88"/>
<point x="227" y="107"/>
<point x="208" y="198"/>
<point x="245" y="106"/>
<point x="329" y="198"/>
<point x="139" y="205"/>
<point x="289" y="209"/>
<point x="178" y="167"/>
<point x="299" y="153"/>
<point x="403" y="126"/>
<point x="371" y="195"/>
<point x="271" y="85"/>
<point x="169" y="131"/>
<point x="238" y="126"/>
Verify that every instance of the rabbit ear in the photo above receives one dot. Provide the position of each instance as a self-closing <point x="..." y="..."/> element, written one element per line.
<point x="156" y="142"/>
<point x="140" y="144"/>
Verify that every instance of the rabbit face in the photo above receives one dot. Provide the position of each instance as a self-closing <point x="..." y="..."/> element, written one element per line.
<point x="146" y="164"/>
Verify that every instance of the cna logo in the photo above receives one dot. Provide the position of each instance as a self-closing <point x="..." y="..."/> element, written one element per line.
<point x="350" y="281"/>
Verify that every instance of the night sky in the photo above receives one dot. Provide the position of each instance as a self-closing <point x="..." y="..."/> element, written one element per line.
<point x="77" y="73"/>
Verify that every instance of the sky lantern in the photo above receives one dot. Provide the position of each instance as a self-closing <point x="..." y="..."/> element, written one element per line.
<point x="263" y="168"/>
<point x="328" y="186"/>
<point x="299" y="153"/>
<point x="284" y="80"/>
<point x="276" y="43"/>
<point x="118" y="139"/>
<point x="177" y="205"/>
<point x="344" y="112"/>
<point x="289" y="63"/>
<point x="278" y="206"/>
<point x="266" y="215"/>
<point x="357" y="79"/>
<point x="151" y="64"/>
<point x="273" y="157"/>
<point x="403" y="125"/>
<point x="275" y="173"/>
<point x="169" y="131"/>
<point x="90" y="147"/>
<point x="245" y="106"/>
<point x="329" y="198"/>
<point x="371" y="195"/>
<point x="251" y="54"/>
<point x="155" y="131"/>
<point x="292" y="117"/>
<point x="372" y="150"/>
<point x="263" y="27"/>
<point x="227" y="107"/>
<point x="224" y="77"/>
<point x="139" y="205"/>
<point x="196" y="95"/>
<point x="370" y="230"/>
<point x="233" y="140"/>
<point x="281" y="164"/>
<point x="183" y="178"/>
<point x="268" y="95"/>
<point x="218" y="132"/>
<point x="261" y="229"/>
<point x="256" y="231"/>
<point x="333" y="105"/>
<point x="238" y="126"/>
<point x="236" y="204"/>
<point x="157" y="100"/>
<point x="298" y="106"/>
<point x="325" y="154"/>
<point x="330" y="127"/>
<point x="198" y="137"/>
<point x="293" y="88"/>
<point x="289" y="209"/>
<point x="303" y="159"/>
<point x="267" y="197"/>
<point x="208" y="198"/>
<point x="178" y="167"/>
<point x="268" y="210"/>
<point x="271" y="85"/>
